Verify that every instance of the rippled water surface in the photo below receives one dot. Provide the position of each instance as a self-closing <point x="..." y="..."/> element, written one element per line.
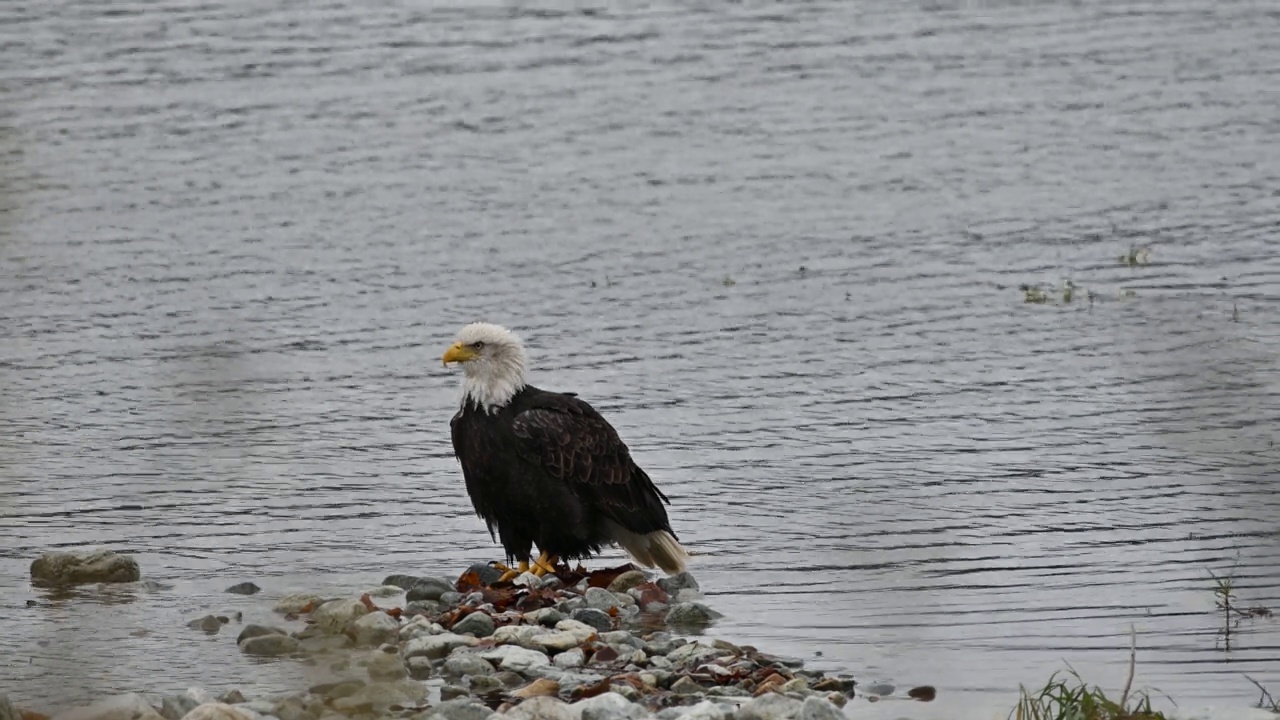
<point x="779" y="244"/>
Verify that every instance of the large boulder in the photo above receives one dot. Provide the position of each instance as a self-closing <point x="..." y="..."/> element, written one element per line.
<point x="116" y="707"/>
<point x="75" y="568"/>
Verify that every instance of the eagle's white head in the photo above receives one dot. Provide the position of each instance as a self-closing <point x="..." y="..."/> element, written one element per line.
<point x="492" y="359"/>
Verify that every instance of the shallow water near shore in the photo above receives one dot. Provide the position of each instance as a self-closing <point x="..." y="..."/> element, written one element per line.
<point x="779" y="246"/>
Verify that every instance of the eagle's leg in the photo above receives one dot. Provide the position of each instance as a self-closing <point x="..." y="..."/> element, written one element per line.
<point x="512" y="573"/>
<point x="545" y="564"/>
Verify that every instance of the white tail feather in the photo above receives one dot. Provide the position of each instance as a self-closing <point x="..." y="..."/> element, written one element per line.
<point x="658" y="548"/>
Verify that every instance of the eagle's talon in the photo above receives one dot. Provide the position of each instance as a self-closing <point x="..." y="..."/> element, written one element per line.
<point x="545" y="565"/>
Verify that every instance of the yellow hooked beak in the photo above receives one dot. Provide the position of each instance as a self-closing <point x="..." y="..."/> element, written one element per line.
<point x="457" y="352"/>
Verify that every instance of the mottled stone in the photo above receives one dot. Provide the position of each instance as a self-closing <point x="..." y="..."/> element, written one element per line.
<point x="384" y="591"/>
<point x="557" y="641"/>
<point x="464" y="709"/>
<point x="521" y="659"/>
<point x="483" y="684"/>
<point x="209" y="624"/>
<point x="675" y="583"/>
<point x="270" y="645"/>
<point x="244" y="588"/>
<point x="375" y="628"/>
<point x="608" y="706"/>
<point x="540" y="708"/>
<point x="116" y="707"/>
<point x="458" y="665"/>
<point x="691" y="615"/>
<point x="547" y="617"/>
<point x="419" y="667"/>
<point x="817" y="708"/>
<point x="686" y="686"/>
<point x="600" y="599"/>
<point x="336" y="616"/>
<point x="522" y="635"/>
<point x="255" y="630"/>
<point x="477" y="623"/>
<point x="216" y="711"/>
<point x="436" y="646"/>
<point x="571" y="658"/>
<point x="296" y="603"/>
<point x="452" y="692"/>
<point x="627" y="580"/>
<point x="173" y="707"/>
<point x="75" y="568"/>
<point x="594" y="617"/>
<point x="770" y="706"/>
<point x="706" y="710"/>
<point x="429" y="588"/>
<point x="385" y="664"/>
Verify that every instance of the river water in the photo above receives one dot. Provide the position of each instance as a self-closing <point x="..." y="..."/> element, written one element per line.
<point x="779" y="244"/>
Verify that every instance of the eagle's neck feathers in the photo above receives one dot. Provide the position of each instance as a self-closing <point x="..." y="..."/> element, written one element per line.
<point x="491" y="383"/>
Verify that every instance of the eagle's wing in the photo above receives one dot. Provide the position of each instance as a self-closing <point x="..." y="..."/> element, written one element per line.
<point x="570" y="441"/>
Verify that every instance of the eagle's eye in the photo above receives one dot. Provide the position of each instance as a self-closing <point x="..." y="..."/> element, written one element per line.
<point x="479" y="344"/>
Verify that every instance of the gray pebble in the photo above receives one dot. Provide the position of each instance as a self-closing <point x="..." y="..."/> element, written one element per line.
<point x="452" y="692"/>
<point x="458" y="665"/>
<point x="691" y="615"/>
<point x="594" y="617"/>
<point x="662" y="643"/>
<point x="419" y="667"/>
<point x="429" y="588"/>
<point x="569" y="605"/>
<point x="450" y="599"/>
<point x="547" y="617"/>
<point x="255" y="630"/>
<point x="673" y="584"/>
<point x="244" y="588"/>
<point x="571" y="658"/>
<point x="269" y="645"/>
<point x="477" y="623"/>
<point x="622" y="637"/>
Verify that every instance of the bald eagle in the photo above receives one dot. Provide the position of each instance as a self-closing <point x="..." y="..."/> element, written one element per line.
<point x="546" y="468"/>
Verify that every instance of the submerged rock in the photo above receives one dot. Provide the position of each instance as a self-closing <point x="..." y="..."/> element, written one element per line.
<point x="75" y="568"/>
<point x="385" y="664"/>
<point x="244" y="588"/>
<point x="296" y="603"/>
<point x="174" y="707"/>
<point x="691" y="615"/>
<point x="254" y="630"/>
<point x="817" y="708"/>
<point x="209" y="624"/>
<point x="269" y="645"/>
<point x="770" y="706"/>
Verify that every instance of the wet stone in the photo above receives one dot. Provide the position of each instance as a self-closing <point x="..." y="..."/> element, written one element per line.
<point x="540" y="708"/>
<point x="690" y="615"/>
<point x="419" y="667"/>
<point x="685" y="686"/>
<point x="547" y="617"/>
<point x="706" y="710"/>
<point x="483" y="684"/>
<point x="94" y="566"/>
<point x="386" y="666"/>
<point x="384" y="591"/>
<point x="375" y="628"/>
<point x="478" y="624"/>
<point x="322" y="643"/>
<point x="627" y="580"/>
<point x="296" y="602"/>
<point x="458" y="665"/>
<point x="244" y="588"/>
<point x="673" y="584"/>
<point x="594" y="617"/>
<point x="817" y="708"/>
<point x="423" y="607"/>
<point x="209" y="624"/>
<point x="254" y="630"/>
<point x="429" y="588"/>
<point x="463" y="709"/>
<point x="609" y="706"/>
<point x="600" y="599"/>
<point x="270" y="645"/>
<point x="336" y="616"/>
<point x="216" y="711"/>
<point x="452" y="692"/>
<point x="340" y="689"/>
<point x="880" y="689"/>
<point x="174" y="707"/>
<point x="770" y="706"/>
<point x="436" y="646"/>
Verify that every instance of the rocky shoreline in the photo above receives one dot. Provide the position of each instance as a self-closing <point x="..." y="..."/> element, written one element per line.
<point x="612" y="644"/>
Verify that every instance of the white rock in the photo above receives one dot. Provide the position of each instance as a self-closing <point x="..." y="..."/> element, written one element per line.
<point x="418" y="627"/>
<point x="216" y="711"/>
<point x="295" y="603"/>
<point x="557" y="641"/>
<point x="336" y="616"/>
<point x="529" y="580"/>
<point x="818" y="708"/>
<point x="520" y="659"/>
<point x="437" y="646"/>
<point x="375" y="628"/>
<point x="570" y="658"/>
<point x="707" y="710"/>
<point x="580" y="630"/>
<point x="770" y="706"/>
<point x="518" y="634"/>
<point x="540" y="708"/>
<point x="116" y="707"/>
<point x="607" y="706"/>
<point x="383" y="591"/>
